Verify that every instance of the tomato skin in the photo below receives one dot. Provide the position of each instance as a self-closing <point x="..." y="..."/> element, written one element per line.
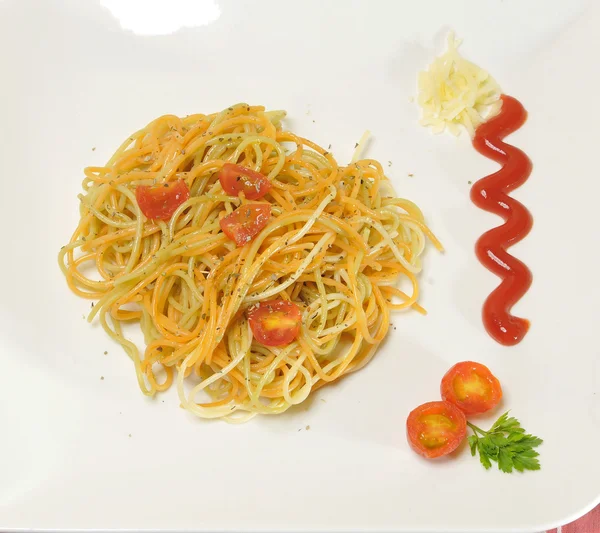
<point x="245" y="222"/>
<point x="235" y="179"/>
<point x="471" y="387"/>
<point x="435" y="429"/>
<point x="275" y="322"/>
<point x="160" y="202"/>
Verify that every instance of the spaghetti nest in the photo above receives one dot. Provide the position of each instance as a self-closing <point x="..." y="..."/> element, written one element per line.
<point x="337" y="243"/>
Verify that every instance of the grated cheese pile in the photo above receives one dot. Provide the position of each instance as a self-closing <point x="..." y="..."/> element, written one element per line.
<point x="454" y="92"/>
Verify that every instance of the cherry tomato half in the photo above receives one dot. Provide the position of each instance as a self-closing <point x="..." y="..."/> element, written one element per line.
<point x="435" y="429"/>
<point x="160" y="202"/>
<point x="235" y="179"/>
<point x="471" y="387"/>
<point x="275" y="323"/>
<point x="245" y="222"/>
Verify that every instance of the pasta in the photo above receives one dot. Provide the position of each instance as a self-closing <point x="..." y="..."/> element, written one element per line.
<point x="336" y="244"/>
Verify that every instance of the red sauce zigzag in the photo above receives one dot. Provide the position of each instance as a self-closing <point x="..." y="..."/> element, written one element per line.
<point x="491" y="193"/>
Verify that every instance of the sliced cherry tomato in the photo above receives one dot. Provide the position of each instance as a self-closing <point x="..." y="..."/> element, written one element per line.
<point x="245" y="222"/>
<point x="235" y="179"/>
<point x="275" y="323"/>
<point x="160" y="202"/>
<point x="471" y="387"/>
<point x="435" y="429"/>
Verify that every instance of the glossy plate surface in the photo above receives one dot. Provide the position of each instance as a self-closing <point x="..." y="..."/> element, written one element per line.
<point x="81" y="452"/>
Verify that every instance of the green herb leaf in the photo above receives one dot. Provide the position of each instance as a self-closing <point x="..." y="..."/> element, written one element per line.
<point x="498" y="440"/>
<point x="507" y="444"/>
<point x="473" y="444"/>
<point x="522" y="463"/>
<point x="484" y="459"/>
<point x="505" y="461"/>
<point x="530" y="441"/>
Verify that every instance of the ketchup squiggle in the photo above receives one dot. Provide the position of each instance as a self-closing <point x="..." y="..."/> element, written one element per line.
<point x="491" y="193"/>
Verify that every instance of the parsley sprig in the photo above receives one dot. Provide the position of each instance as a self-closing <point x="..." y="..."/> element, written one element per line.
<point x="507" y="444"/>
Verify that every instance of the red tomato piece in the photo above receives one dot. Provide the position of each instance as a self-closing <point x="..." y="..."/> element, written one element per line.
<point x="435" y="429"/>
<point x="275" y="323"/>
<point x="160" y="202"/>
<point x="235" y="179"/>
<point x="245" y="222"/>
<point x="471" y="387"/>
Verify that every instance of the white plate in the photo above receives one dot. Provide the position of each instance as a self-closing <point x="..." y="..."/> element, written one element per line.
<point x="78" y="452"/>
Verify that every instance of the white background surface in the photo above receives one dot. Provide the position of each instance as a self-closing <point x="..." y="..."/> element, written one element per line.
<point x="78" y="452"/>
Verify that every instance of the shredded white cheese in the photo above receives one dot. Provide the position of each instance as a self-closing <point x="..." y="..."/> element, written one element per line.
<point x="454" y="92"/>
